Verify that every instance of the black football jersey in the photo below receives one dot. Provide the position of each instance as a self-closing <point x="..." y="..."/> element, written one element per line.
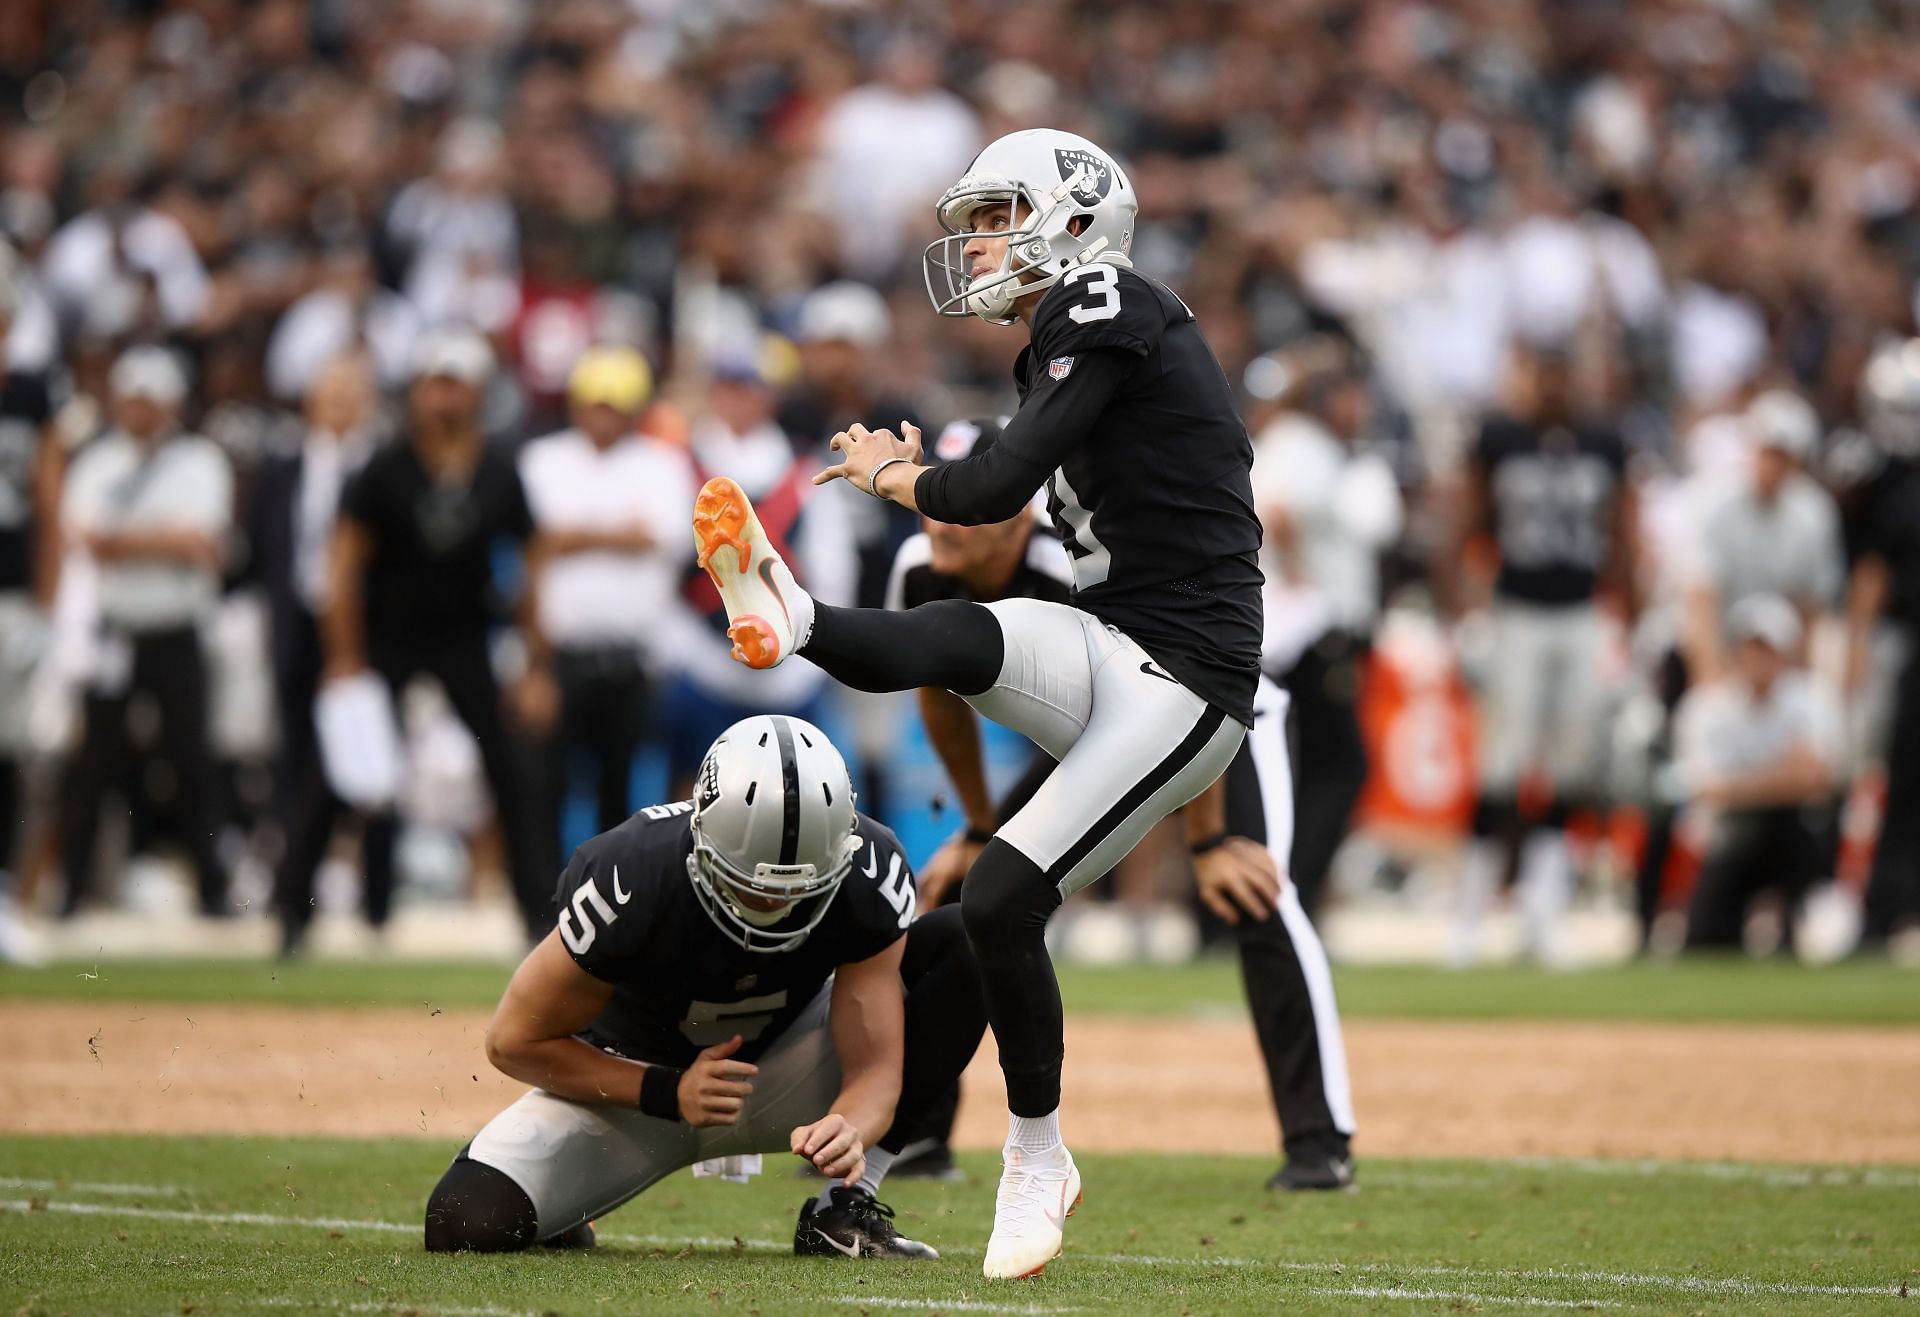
<point x="1553" y="492"/>
<point x="1042" y="574"/>
<point x="628" y="916"/>
<point x="1156" y="509"/>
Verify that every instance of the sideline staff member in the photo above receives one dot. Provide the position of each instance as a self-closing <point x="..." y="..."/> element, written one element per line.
<point x="411" y="583"/>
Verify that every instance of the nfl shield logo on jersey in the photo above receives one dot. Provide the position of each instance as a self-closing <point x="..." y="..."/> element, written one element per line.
<point x="1059" y="367"/>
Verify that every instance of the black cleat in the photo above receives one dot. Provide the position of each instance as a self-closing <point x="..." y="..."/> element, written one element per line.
<point x="928" y="1159"/>
<point x="1319" y="1171"/>
<point x="855" y="1226"/>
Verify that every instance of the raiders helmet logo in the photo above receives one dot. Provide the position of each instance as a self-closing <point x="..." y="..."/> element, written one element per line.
<point x="1095" y="184"/>
<point x="709" y="783"/>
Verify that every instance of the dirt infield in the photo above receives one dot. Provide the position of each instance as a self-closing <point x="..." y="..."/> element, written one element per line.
<point x="1455" y="1089"/>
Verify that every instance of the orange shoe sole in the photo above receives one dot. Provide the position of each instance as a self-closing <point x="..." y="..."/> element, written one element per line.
<point x="754" y="643"/>
<point x="720" y="515"/>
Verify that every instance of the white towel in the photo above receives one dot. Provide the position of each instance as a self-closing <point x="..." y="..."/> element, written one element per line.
<point x="359" y="740"/>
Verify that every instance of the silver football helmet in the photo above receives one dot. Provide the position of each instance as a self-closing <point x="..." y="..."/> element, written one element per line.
<point x="773" y="831"/>
<point x="1890" y="397"/>
<point x="1050" y="179"/>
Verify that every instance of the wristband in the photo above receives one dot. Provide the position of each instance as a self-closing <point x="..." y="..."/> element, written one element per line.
<point x="873" y="476"/>
<point x="979" y="836"/>
<point x="1205" y="844"/>
<point x="660" y="1092"/>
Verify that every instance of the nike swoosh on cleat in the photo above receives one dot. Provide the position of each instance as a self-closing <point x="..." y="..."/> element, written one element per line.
<point x="620" y="894"/>
<point x="850" y="1250"/>
<point x="766" y="576"/>
<point x="1152" y="671"/>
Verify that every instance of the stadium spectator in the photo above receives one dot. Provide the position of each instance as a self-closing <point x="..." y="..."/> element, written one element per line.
<point x="891" y="144"/>
<point x="411" y="589"/>
<point x="295" y="505"/>
<point x="151" y="505"/>
<point x="1776" y="532"/>
<point x="1757" y="751"/>
<point x="605" y="562"/>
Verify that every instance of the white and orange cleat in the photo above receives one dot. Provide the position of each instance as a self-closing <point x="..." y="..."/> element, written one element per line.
<point x="1038" y="1192"/>
<point x="757" y="587"/>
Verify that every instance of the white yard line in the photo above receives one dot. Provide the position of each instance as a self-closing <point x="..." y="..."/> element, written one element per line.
<point x="1621" y="1279"/>
<point x="1459" y="1296"/>
<point x="944" y="1305"/>
<point x="372" y="1305"/>
<point x="89" y="1187"/>
<point x="209" y="1218"/>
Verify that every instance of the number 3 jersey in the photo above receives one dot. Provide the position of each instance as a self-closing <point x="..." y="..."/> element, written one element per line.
<point x="628" y="915"/>
<point x="1156" y="508"/>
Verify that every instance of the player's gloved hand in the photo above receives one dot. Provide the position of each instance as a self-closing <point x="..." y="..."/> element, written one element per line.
<point x="863" y="450"/>
<point x="714" y="1088"/>
<point x="1238" y="876"/>
<point x="949" y="865"/>
<point x="833" y="1145"/>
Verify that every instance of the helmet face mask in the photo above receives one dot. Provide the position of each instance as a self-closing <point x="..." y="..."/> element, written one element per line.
<point x="1068" y="204"/>
<point x="773" y="832"/>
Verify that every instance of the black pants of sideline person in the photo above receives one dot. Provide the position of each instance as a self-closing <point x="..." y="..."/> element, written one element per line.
<point x="604" y="695"/>
<point x="464" y="670"/>
<point x="168" y="672"/>
<point x="1325" y="686"/>
<point x="308" y="810"/>
<point x="1752" y="851"/>
<point x="1893" y="891"/>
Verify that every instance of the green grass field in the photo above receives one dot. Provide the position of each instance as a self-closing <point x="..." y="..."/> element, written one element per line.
<point x="210" y="1225"/>
<point x="141" y="1225"/>
<point x="1735" y="989"/>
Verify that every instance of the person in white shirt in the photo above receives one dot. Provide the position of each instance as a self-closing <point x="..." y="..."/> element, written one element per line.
<point x="1329" y="510"/>
<point x="1778" y="532"/>
<point x="1757" y="752"/>
<point x="152" y="506"/>
<point x="605" y="558"/>
<point x="892" y="143"/>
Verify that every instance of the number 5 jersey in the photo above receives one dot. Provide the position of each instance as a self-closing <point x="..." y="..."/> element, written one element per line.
<point x="628" y="915"/>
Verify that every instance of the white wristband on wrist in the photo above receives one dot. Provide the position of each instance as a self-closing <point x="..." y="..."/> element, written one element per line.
<point x="873" y="477"/>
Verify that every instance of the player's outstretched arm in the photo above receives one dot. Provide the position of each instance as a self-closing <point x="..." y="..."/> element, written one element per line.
<point x="869" y="1023"/>
<point x="531" y="1038"/>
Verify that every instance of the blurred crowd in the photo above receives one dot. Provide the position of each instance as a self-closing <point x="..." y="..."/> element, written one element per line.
<point x="349" y="343"/>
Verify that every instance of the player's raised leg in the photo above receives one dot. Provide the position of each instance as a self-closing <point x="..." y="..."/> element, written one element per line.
<point x="952" y="644"/>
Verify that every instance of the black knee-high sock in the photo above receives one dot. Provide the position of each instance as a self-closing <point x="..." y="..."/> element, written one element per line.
<point x="1006" y="903"/>
<point x="952" y="644"/>
<point x="946" y="1018"/>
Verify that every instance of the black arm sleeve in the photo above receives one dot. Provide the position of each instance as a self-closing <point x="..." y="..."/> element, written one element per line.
<point x="1055" y="417"/>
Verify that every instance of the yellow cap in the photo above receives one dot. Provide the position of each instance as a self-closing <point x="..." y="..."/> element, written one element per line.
<point x="616" y="376"/>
